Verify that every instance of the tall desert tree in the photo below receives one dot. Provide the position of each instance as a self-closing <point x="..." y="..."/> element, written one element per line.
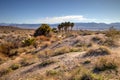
<point x="59" y="27"/>
<point x="66" y="26"/>
<point x="72" y="25"/>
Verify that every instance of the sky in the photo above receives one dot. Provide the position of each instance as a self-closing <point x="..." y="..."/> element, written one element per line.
<point x="57" y="11"/>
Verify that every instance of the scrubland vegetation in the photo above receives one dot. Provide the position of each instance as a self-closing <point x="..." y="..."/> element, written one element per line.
<point x="59" y="54"/>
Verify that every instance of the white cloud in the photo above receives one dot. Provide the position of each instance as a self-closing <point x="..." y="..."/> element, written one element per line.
<point x="73" y="18"/>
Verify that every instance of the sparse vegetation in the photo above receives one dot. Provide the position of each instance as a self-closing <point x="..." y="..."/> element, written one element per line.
<point x="106" y="64"/>
<point x="15" y="66"/>
<point x="5" y="48"/>
<point x="47" y="62"/>
<point x="113" y="33"/>
<point x="52" y="73"/>
<point x="87" y="62"/>
<point x="96" y="52"/>
<point x="76" y="55"/>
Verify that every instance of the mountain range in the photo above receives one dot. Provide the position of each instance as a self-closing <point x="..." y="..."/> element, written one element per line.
<point x="84" y="26"/>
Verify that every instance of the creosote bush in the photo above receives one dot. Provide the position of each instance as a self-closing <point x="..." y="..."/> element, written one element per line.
<point x="44" y="29"/>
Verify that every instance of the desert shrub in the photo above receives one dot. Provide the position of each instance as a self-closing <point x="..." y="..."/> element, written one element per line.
<point x="27" y="60"/>
<point x="5" y="71"/>
<point x="113" y="33"/>
<point x="110" y="43"/>
<point x="87" y="62"/>
<point x="97" y="39"/>
<point x="81" y="73"/>
<point x="83" y="44"/>
<point x="9" y="69"/>
<point x="96" y="52"/>
<point x="42" y="38"/>
<point x="47" y="62"/>
<point x="54" y="30"/>
<point x="74" y="49"/>
<point x="88" y="77"/>
<point x="104" y="64"/>
<point x="15" y="66"/>
<point x="85" y="32"/>
<point x="1" y="61"/>
<point x="13" y="52"/>
<point x="6" y="47"/>
<point x="51" y="73"/>
<point x="62" y="50"/>
<point x="44" y="29"/>
<point x="28" y="42"/>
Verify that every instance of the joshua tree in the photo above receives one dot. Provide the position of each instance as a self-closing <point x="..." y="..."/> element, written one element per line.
<point x="59" y="27"/>
<point x="65" y="26"/>
<point x="62" y="26"/>
<point x="72" y="25"/>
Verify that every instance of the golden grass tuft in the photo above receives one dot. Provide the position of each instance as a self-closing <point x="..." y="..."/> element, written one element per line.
<point x="107" y="63"/>
<point x="99" y="51"/>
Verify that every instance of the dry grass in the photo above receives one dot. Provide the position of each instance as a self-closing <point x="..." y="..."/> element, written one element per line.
<point x="62" y="50"/>
<point x="107" y="63"/>
<point x="28" y="60"/>
<point x="98" y="40"/>
<point x="42" y="38"/>
<point x="99" y="51"/>
<point x="111" y="43"/>
<point x="46" y="62"/>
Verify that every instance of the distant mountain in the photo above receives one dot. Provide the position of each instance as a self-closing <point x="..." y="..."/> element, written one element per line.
<point x="9" y="27"/>
<point x="96" y="26"/>
<point x="86" y="26"/>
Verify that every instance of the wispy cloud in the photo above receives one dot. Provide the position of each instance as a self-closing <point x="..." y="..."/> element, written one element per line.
<point x="73" y="18"/>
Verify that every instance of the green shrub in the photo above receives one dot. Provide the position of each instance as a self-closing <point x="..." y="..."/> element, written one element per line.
<point x="54" y="30"/>
<point x="51" y="73"/>
<point x="87" y="77"/>
<point x="15" y="66"/>
<point x="28" y="42"/>
<point x="44" y="29"/>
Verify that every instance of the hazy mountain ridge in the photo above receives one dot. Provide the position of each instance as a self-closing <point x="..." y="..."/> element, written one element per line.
<point x="88" y="26"/>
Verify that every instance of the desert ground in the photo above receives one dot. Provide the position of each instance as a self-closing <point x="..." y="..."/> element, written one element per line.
<point x="72" y="55"/>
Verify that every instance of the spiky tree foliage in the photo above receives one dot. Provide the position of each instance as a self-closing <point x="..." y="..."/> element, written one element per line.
<point x="72" y="25"/>
<point x="44" y="29"/>
<point x="65" y="26"/>
<point x="59" y="27"/>
<point x="62" y="26"/>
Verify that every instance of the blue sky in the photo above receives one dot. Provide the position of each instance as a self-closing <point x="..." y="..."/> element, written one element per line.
<point x="56" y="11"/>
